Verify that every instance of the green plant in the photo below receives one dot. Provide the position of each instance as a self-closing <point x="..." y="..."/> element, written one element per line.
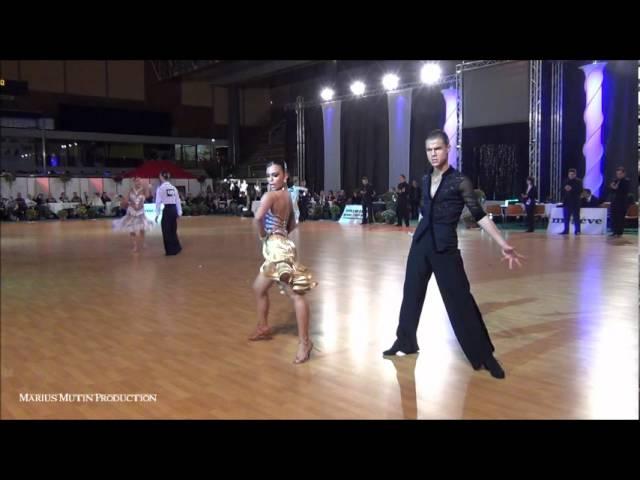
<point x="391" y="206"/>
<point x="186" y="211"/>
<point x="82" y="212"/>
<point x="32" y="214"/>
<point x="389" y="216"/>
<point x="94" y="212"/>
<point x="203" y="209"/>
<point x="316" y="213"/>
<point x="335" y="212"/>
<point x="63" y="214"/>
<point x="387" y="197"/>
<point x="378" y="217"/>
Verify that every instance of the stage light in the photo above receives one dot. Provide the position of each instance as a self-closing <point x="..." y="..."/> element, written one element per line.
<point x="327" y="94"/>
<point x="213" y="140"/>
<point x="358" y="88"/>
<point x="390" y="81"/>
<point x="430" y="73"/>
<point x="64" y="146"/>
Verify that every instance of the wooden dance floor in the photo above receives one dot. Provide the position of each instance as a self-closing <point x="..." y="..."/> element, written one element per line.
<point x="81" y="315"/>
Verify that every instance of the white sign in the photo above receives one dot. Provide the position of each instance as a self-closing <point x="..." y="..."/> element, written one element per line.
<point x="352" y="214"/>
<point x="593" y="221"/>
<point x="150" y="211"/>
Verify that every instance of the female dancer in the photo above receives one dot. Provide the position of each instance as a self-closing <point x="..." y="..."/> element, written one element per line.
<point x="275" y="218"/>
<point x="135" y="221"/>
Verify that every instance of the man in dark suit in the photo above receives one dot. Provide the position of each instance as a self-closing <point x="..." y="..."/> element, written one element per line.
<point x="571" y="201"/>
<point x="434" y="249"/>
<point x="589" y="200"/>
<point x="415" y="195"/>
<point x="529" y="198"/>
<point x="366" y="195"/>
<point x="620" y="189"/>
<point x="402" y="206"/>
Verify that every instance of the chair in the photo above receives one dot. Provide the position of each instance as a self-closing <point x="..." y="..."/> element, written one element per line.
<point x="495" y="211"/>
<point x="514" y="211"/>
<point x="632" y="212"/>
<point x="539" y="212"/>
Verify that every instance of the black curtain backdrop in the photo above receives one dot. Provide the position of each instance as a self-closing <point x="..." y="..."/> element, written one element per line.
<point x="314" y="148"/>
<point x="290" y="148"/>
<point x="427" y="114"/>
<point x="364" y="143"/>
<point x="620" y="128"/>
<point x="545" y="132"/>
<point x="496" y="159"/>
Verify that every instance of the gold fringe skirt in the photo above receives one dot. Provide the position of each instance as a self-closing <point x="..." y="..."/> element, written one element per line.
<point x="280" y="264"/>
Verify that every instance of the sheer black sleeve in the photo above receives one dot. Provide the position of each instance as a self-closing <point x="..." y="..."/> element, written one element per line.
<point x="470" y="200"/>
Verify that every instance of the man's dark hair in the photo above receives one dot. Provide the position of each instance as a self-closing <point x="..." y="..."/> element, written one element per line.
<point x="438" y="134"/>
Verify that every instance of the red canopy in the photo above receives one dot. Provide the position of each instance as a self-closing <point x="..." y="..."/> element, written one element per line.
<point x="152" y="168"/>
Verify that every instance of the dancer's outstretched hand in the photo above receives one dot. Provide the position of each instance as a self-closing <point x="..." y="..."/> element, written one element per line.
<point x="509" y="253"/>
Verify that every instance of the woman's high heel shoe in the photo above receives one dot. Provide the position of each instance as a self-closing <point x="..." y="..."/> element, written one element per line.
<point x="261" y="334"/>
<point x="307" y="355"/>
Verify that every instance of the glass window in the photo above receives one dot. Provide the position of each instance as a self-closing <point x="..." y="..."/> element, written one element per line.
<point x="189" y="153"/>
<point x="204" y="153"/>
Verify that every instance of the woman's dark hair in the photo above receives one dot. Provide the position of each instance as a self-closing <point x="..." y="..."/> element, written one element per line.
<point x="531" y="179"/>
<point x="166" y="175"/>
<point x="281" y="163"/>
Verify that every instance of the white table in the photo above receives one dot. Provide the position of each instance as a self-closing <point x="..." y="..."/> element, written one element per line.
<point x="56" y="207"/>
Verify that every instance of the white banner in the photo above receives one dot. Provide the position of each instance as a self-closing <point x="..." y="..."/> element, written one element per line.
<point x="150" y="211"/>
<point x="593" y="221"/>
<point x="352" y="214"/>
